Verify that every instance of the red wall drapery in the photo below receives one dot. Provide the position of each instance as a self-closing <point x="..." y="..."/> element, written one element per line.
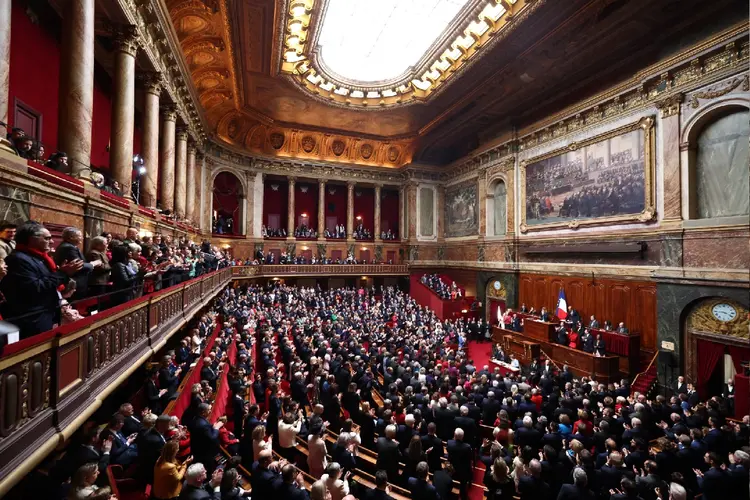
<point x="306" y="203"/>
<point x="276" y="202"/>
<point x="739" y="355"/>
<point x="389" y="210"/>
<point x="364" y="206"/>
<point x="336" y="203"/>
<point x="227" y="190"/>
<point x="709" y="353"/>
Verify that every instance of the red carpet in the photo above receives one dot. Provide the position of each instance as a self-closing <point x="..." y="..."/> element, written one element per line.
<point x="480" y="353"/>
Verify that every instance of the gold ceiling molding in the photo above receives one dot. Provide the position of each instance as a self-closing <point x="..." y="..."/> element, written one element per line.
<point x="442" y="63"/>
<point x="241" y="130"/>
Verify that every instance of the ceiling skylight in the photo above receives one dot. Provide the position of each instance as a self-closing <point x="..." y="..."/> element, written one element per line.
<point x="375" y="40"/>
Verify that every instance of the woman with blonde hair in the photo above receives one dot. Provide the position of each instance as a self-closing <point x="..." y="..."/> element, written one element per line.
<point x="319" y="491"/>
<point x="169" y="473"/>
<point x="499" y="484"/>
<point x="339" y="488"/>
<point x="259" y="441"/>
<point x="82" y="485"/>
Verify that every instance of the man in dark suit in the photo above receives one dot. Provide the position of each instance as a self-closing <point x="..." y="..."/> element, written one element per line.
<point x="196" y="487"/>
<point x="594" y="323"/>
<point x="468" y="425"/>
<point x="84" y="453"/>
<point x="442" y="480"/>
<point x="419" y="487"/>
<point x="132" y="424"/>
<point x="262" y="478"/>
<point x="561" y="333"/>
<point x="587" y="340"/>
<point x="649" y="481"/>
<point x="714" y="481"/>
<point x="389" y="454"/>
<point x="460" y="456"/>
<point x="204" y="438"/>
<point x="544" y="315"/>
<point x="289" y="486"/>
<point x="68" y="251"/>
<point x="380" y="492"/>
<point x="32" y="300"/>
<point x="490" y="407"/>
<point x="208" y="373"/>
<point x="124" y="451"/>
<point x="433" y="446"/>
<point x="579" y="490"/>
<point x="681" y="386"/>
<point x="622" y="329"/>
<point x="532" y="487"/>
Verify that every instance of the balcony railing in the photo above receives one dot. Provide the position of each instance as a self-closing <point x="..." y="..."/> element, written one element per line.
<point x="53" y="382"/>
<point x="278" y="270"/>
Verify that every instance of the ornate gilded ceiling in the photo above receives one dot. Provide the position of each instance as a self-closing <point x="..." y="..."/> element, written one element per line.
<point x="265" y="92"/>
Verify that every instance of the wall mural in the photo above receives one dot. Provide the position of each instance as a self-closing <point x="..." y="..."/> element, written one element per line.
<point x="461" y="210"/>
<point x="604" y="179"/>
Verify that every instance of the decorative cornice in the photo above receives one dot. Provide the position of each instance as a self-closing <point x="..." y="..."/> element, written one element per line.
<point x="670" y="105"/>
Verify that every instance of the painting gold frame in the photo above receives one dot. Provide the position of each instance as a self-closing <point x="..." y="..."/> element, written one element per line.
<point x="648" y="214"/>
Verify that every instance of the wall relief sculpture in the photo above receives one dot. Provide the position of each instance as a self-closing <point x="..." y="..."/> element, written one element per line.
<point x="605" y="179"/>
<point x="461" y="210"/>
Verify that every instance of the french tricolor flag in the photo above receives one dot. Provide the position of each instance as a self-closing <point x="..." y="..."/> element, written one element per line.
<point x="562" y="305"/>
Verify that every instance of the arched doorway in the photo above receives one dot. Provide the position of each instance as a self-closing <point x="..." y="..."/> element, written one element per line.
<point x="496" y="297"/>
<point x="228" y="202"/>
<point x="716" y="344"/>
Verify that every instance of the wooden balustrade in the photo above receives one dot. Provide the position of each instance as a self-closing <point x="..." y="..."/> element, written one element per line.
<point x="279" y="270"/>
<point x="53" y="382"/>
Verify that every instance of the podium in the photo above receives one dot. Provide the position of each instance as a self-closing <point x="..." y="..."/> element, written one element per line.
<point x="539" y="330"/>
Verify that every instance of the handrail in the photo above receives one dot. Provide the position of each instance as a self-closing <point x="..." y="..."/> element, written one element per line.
<point x="550" y="358"/>
<point x="653" y="359"/>
<point x="261" y="270"/>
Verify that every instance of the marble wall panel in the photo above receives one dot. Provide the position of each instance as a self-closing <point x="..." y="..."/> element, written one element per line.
<point x="717" y="249"/>
<point x="14" y="204"/>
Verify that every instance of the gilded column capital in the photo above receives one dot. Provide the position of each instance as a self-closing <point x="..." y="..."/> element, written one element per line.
<point x="350" y="185"/>
<point x="181" y="134"/>
<point x="169" y="113"/>
<point x="125" y="39"/>
<point x="670" y="105"/>
<point x="152" y="82"/>
<point x="322" y="182"/>
<point x="292" y="180"/>
<point x="192" y="148"/>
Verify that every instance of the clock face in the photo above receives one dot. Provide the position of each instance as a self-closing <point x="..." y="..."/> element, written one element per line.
<point x="724" y="312"/>
<point x="497" y="285"/>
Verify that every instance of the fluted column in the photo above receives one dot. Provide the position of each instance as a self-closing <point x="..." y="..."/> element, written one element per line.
<point x="76" y="86"/>
<point x="150" y="146"/>
<point x="200" y="161"/>
<point x="402" y="229"/>
<point x="321" y="209"/>
<point x="123" y="107"/>
<point x="670" y="132"/>
<point x="180" y="176"/>
<point x="290" y="219"/>
<point x="190" y="183"/>
<point x="350" y="210"/>
<point x="166" y="158"/>
<point x="5" y="14"/>
<point x="376" y="226"/>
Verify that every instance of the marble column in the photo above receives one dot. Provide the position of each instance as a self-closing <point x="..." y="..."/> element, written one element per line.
<point x="150" y="146"/>
<point x="166" y="160"/>
<point x="411" y="211"/>
<point x="5" y="14"/>
<point x="321" y="209"/>
<point x="350" y="210"/>
<point x="402" y="229"/>
<point x="190" y="185"/>
<point x="290" y="216"/>
<point x="376" y="222"/>
<point x="123" y="107"/>
<point x="76" y="84"/>
<point x="670" y="132"/>
<point x="200" y="199"/>
<point x="180" y="175"/>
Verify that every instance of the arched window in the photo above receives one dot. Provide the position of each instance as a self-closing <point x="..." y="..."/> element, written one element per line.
<point x="227" y="204"/>
<point x="721" y="186"/>
<point x="501" y="203"/>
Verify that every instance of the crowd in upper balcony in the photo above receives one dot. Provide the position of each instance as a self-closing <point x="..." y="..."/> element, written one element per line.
<point x="304" y="231"/>
<point x="338" y="232"/>
<point x="271" y="232"/>
<point x="362" y="233"/>
<point x="43" y="284"/>
<point x="301" y="259"/>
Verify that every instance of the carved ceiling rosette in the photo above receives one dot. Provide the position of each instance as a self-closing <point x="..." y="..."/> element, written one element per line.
<point x="366" y="150"/>
<point x="308" y="143"/>
<point x="338" y="146"/>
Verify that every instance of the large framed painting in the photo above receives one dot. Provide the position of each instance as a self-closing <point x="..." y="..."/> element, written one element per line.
<point x="607" y="179"/>
<point x="461" y="210"/>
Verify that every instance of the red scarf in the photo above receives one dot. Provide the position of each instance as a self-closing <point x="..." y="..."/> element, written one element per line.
<point x="44" y="257"/>
<point x="38" y="254"/>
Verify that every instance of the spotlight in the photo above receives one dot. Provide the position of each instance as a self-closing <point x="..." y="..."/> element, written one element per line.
<point x="141" y="170"/>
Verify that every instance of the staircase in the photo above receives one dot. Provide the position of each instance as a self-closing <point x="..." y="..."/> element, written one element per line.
<point x="646" y="381"/>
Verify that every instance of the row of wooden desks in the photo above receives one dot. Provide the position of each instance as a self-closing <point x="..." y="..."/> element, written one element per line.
<point x="525" y="347"/>
<point x="626" y="346"/>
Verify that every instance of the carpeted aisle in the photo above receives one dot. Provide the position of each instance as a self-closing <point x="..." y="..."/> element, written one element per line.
<point x="480" y="353"/>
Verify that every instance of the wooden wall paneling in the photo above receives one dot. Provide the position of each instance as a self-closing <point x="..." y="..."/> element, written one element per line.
<point x="645" y="309"/>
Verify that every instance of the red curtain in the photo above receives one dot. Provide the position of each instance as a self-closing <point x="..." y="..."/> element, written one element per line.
<point x="709" y="353"/>
<point x="739" y="354"/>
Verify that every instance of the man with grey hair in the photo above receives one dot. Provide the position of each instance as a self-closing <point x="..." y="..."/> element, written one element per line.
<point x="389" y="454"/>
<point x="99" y="276"/>
<point x="69" y="251"/>
<point x="195" y="484"/>
<point x="460" y="456"/>
<point x="532" y="486"/>
<point x="579" y="488"/>
<point x="468" y="425"/>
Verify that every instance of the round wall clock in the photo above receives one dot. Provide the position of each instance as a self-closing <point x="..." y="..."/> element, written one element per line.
<point x="497" y="285"/>
<point x="724" y="312"/>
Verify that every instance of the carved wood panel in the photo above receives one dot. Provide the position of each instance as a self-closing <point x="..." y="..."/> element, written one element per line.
<point x="633" y="302"/>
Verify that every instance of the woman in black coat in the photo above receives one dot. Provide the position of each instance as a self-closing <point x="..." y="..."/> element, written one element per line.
<point x="124" y="279"/>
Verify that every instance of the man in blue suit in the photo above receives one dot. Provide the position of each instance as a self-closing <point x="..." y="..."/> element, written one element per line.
<point x="204" y="438"/>
<point x="34" y="282"/>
